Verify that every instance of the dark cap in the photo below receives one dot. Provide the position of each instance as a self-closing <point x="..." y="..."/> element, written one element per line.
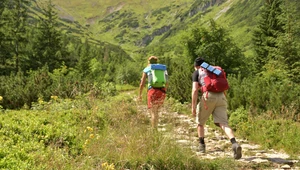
<point x="198" y="61"/>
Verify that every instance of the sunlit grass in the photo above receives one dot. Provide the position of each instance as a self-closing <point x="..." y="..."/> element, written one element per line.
<point x="110" y="133"/>
<point x="114" y="133"/>
<point x="125" y="87"/>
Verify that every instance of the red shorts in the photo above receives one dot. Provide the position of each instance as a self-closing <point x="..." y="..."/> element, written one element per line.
<point x="156" y="97"/>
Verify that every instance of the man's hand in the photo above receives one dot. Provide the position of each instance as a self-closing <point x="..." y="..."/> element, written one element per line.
<point x="194" y="112"/>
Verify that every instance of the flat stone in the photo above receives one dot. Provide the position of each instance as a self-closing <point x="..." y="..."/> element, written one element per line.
<point x="259" y="160"/>
<point x="259" y="154"/>
<point x="277" y="155"/>
<point x="281" y="161"/>
<point x="250" y="147"/>
<point x="162" y="129"/>
<point x="186" y="142"/>
<point x="286" y="167"/>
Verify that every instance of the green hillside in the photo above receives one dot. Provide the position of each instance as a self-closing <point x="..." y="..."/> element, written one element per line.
<point x="67" y="23"/>
<point x="132" y="25"/>
<point x="136" y="25"/>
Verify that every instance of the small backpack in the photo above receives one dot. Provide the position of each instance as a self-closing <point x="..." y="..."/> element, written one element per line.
<point x="157" y="76"/>
<point x="215" y="79"/>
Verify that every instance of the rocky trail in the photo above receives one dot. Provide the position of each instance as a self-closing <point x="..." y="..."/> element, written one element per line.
<point x="217" y="144"/>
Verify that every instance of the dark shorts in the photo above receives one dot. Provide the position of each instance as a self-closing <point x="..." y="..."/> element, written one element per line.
<point x="156" y="97"/>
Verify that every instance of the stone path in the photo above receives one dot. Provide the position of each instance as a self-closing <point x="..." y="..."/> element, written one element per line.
<point x="217" y="144"/>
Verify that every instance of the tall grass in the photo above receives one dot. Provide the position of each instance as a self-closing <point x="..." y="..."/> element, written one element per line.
<point x="278" y="134"/>
<point x="112" y="133"/>
<point x="88" y="133"/>
<point x="128" y="142"/>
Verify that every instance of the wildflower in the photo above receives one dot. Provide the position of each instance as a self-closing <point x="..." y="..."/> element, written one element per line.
<point x="1" y="98"/>
<point x="111" y="167"/>
<point x="86" y="142"/>
<point x="106" y="166"/>
<point x="89" y="129"/>
<point x="54" y="97"/>
<point x="91" y="136"/>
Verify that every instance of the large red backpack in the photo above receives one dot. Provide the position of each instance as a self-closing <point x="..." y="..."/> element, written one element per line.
<point x="215" y="79"/>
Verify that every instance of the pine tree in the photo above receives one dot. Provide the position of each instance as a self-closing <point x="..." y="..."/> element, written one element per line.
<point x="275" y="41"/>
<point x="49" y="49"/>
<point x="18" y="30"/>
<point x="266" y="34"/>
<point x="84" y="59"/>
<point x="14" y="26"/>
<point x="288" y="44"/>
<point x="3" y="50"/>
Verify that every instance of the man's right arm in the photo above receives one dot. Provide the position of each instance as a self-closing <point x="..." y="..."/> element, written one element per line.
<point x="142" y="83"/>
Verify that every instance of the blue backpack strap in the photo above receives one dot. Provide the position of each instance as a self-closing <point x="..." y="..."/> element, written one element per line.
<point x="158" y="67"/>
<point x="211" y="68"/>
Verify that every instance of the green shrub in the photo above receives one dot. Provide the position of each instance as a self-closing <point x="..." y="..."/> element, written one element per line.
<point x="175" y="106"/>
<point x="238" y="117"/>
<point x="19" y="90"/>
<point x="128" y="73"/>
<point x="67" y="83"/>
<point x="11" y="89"/>
<point x="259" y="95"/>
<point x="103" y="90"/>
<point x="276" y="134"/>
<point x="180" y="83"/>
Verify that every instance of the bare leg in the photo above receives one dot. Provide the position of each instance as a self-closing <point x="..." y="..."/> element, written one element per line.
<point x="154" y="116"/>
<point x="228" y="131"/>
<point x="200" y="129"/>
<point x="236" y="148"/>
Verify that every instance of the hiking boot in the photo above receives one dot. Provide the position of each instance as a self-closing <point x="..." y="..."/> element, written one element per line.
<point x="202" y="148"/>
<point x="237" y="151"/>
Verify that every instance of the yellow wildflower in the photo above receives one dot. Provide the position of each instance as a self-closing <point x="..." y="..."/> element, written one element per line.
<point x="106" y="166"/>
<point x="91" y="136"/>
<point x="111" y="167"/>
<point x="54" y="97"/>
<point x="89" y="129"/>
<point x="86" y="142"/>
<point x="1" y="98"/>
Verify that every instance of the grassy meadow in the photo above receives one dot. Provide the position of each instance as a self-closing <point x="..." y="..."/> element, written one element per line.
<point x="112" y="133"/>
<point x="88" y="133"/>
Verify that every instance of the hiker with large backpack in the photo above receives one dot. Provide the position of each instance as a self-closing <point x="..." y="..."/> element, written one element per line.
<point x="157" y="86"/>
<point x="212" y="82"/>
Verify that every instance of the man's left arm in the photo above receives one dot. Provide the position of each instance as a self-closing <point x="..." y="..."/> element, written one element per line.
<point x="194" y="97"/>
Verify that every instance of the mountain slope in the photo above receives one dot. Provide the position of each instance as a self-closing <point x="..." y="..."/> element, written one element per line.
<point x="69" y="24"/>
<point x="132" y="24"/>
<point x="139" y="24"/>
